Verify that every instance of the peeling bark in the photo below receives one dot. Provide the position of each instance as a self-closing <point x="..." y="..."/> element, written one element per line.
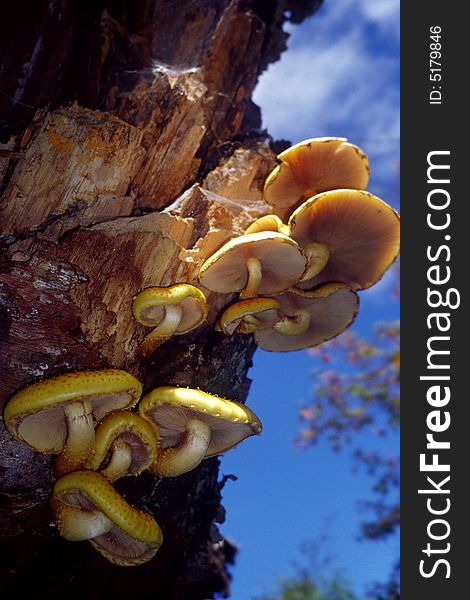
<point x="124" y="163"/>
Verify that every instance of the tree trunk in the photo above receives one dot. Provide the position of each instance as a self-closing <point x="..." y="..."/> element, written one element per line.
<point x="130" y="151"/>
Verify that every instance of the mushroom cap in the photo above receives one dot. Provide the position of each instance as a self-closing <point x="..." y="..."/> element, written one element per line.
<point x="361" y="231"/>
<point x="148" y="307"/>
<point x="35" y="415"/>
<point x="333" y="307"/>
<point x="266" y="310"/>
<point x="171" y="407"/>
<point x="136" y="536"/>
<point x="267" y="223"/>
<point x="283" y="263"/>
<point x="313" y="166"/>
<point x="137" y="433"/>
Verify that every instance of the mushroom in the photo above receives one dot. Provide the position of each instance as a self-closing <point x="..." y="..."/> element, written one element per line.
<point x="58" y="415"/>
<point x="311" y="318"/>
<point x="125" y="444"/>
<point x="267" y="263"/>
<point x="193" y="426"/>
<point x="87" y="507"/>
<point x="172" y="310"/>
<point x="360" y="235"/>
<point x="268" y="223"/>
<point x="314" y="166"/>
<point x="246" y="316"/>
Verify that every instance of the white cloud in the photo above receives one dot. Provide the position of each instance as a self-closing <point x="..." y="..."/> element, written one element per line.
<point x="308" y="87"/>
<point x="320" y="84"/>
<point x="383" y="13"/>
<point x="336" y="80"/>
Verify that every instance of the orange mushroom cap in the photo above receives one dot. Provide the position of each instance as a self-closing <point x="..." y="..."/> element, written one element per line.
<point x="268" y="223"/>
<point x="330" y="309"/>
<point x="361" y="232"/>
<point x="278" y="260"/>
<point x="313" y="166"/>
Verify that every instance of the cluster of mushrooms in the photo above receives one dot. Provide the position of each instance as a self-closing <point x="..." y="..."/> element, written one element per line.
<point x="297" y="285"/>
<point x="297" y="281"/>
<point x="86" y="419"/>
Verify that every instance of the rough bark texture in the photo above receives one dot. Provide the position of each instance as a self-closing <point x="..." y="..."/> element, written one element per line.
<point x="127" y="157"/>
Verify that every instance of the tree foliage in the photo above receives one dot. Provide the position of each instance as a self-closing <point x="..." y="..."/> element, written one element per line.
<point x="302" y="587"/>
<point x="357" y="391"/>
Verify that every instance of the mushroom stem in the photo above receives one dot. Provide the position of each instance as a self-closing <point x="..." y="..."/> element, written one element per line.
<point x="255" y="274"/>
<point x="172" y="462"/>
<point x="252" y="320"/>
<point x="295" y="324"/>
<point x="249" y="324"/>
<point x="172" y="319"/>
<point x="163" y="331"/>
<point x="80" y="437"/>
<point x="76" y="524"/>
<point x="317" y="256"/>
<point x="120" y="462"/>
<point x="151" y="343"/>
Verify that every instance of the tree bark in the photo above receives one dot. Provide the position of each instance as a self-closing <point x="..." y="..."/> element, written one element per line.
<point x="130" y="151"/>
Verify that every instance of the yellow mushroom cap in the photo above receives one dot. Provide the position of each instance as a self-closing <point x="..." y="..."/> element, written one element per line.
<point x="35" y="415"/>
<point x="361" y="232"/>
<point x="172" y="407"/>
<point x="313" y="166"/>
<point x="149" y="306"/>
<point x="332" y="307"/>
<point x="266" y="312"/>
<point x="135" y="536"/>
<point x="126" y="428"/>
<point x="268" y="223"/>
<point x="282" y="263"/>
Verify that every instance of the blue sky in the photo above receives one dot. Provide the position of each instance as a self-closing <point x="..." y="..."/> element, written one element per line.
<point x="340" y="76"/>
